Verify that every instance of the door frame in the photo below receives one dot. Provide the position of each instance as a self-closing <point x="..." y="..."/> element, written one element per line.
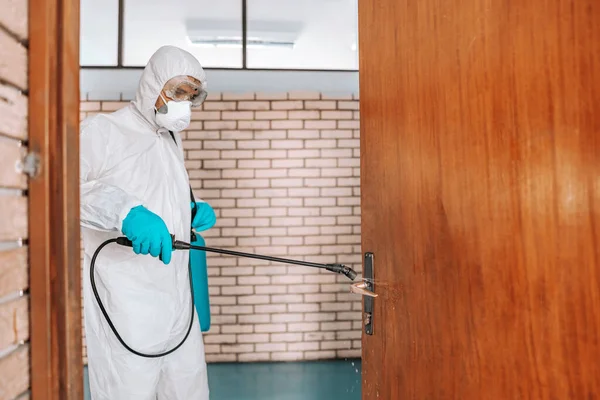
<point x="54" y="240"/>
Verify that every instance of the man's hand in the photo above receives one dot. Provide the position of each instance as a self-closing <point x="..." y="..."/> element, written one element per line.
<point x="148" y="233"/>
<point x="205" y="217"/>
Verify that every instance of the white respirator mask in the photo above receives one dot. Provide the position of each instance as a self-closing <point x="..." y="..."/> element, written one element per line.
<point x="174" y="115"/>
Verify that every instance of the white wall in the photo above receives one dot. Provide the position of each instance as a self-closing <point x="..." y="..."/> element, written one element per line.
<point x="111" y="84"/>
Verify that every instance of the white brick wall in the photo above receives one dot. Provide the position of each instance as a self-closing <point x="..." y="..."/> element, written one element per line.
<point x="282" y="172"/>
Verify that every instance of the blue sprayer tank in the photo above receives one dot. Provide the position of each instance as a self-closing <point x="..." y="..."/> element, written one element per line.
<point x="200" y="282"/>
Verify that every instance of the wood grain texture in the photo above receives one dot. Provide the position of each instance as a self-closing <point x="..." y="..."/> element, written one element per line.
<point x="13" y="61"/>
<point x="480" y="182"/>
<point x="14" y="373"/>
<point x="14" y="322"/>
<point x="14" y="272"/>
<point x="55" y="284"/>
<point x="13" y="109"/>
<point x="10" y="154"/>
<point x="14" y="17"/>
<point x="13" y="215"/>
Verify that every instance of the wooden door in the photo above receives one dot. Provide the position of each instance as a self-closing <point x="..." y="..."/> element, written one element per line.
<point x="480" y="157"/>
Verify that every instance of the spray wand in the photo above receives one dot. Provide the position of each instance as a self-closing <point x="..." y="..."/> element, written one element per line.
<point x="180" y="245"/>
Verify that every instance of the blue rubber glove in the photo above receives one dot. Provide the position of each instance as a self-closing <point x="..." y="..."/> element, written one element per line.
<point x="205" y="217"/>
<point x="148" y="233"/>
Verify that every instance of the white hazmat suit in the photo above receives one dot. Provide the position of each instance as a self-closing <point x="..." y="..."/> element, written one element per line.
<point x="127" y="160"/>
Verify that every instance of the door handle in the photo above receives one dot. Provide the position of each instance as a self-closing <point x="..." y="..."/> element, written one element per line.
<point x="362" y="288"/>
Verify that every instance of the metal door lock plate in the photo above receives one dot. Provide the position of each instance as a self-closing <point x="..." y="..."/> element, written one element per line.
<point x="369" y="281"/>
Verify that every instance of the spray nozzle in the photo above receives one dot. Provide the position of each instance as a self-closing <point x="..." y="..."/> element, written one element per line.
<point x="342" y="269"/>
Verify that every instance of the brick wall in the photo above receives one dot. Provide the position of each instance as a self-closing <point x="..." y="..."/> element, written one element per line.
<point x="282" y="172"/>
<point x="15" y="335"/>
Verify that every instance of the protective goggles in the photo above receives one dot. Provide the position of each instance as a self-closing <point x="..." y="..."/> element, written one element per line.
<point x="183" y="89"/>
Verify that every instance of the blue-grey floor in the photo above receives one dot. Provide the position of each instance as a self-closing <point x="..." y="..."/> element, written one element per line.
<point x="314" y="380"/>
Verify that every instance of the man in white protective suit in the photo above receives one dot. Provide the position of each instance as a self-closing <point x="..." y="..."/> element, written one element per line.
<point x="134" y="183"/>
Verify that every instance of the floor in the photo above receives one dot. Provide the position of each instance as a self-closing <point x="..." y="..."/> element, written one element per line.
<point x="314" y="380"/>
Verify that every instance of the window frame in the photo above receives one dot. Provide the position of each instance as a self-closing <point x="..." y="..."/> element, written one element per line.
<point x="244" y="67"/>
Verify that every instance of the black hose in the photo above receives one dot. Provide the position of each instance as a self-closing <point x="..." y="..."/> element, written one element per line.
<point x="179" y="245"/>
<point x="110" y="323"/>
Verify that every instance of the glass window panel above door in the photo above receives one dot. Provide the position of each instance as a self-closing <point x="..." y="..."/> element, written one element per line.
<point x="302" y="34"/>
<point x="210" y="30"/>
<point x="99" y="41"/>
